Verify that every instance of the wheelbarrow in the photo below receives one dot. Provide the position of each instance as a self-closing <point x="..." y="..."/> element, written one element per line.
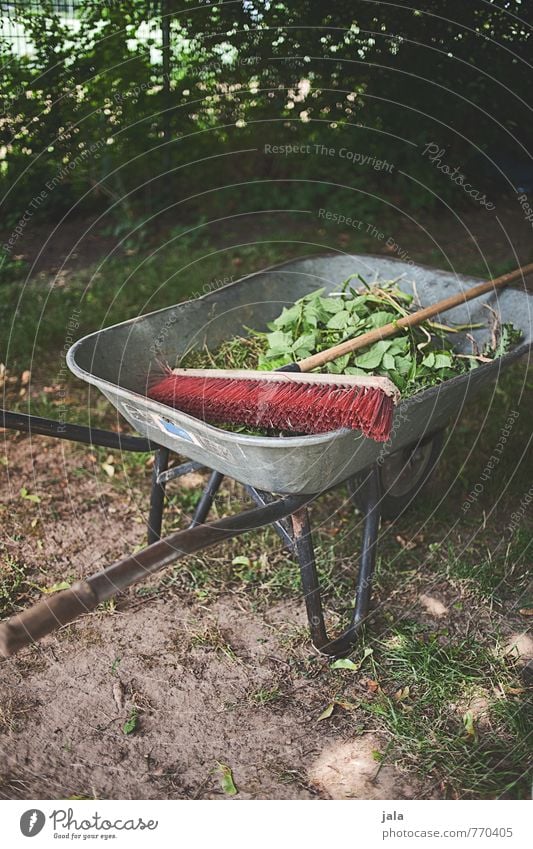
<point x="282" y="475"/>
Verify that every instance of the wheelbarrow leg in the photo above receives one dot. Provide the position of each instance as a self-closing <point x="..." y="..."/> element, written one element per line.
<point x="303" y="544"/>
<point x="204" y="505"/>
<point x="157" y="495"/>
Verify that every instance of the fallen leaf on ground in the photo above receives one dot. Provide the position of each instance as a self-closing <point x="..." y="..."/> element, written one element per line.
<point x="29" y="496"/>
<point x="371" y="685"/>
<point x="326" y="713"/>
<point x="55" y="588"/>
<point x="118" y="694"/>
<point x="407" y="544"/>
<point x="346" y="663"/>
<point x="401" y="694"/>
<point x="226" y="779"/>
<point x="130" y="726"/>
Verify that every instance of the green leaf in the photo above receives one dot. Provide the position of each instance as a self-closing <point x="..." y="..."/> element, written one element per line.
<point x="345" y="663"/>
<point x="403" y="296"/>
<point x="381" y="318"/>
<point x="130" y="726"/>
<point x="311" y="315"/>
<point x="306" y="342"/>
<point x="443" y="360"/>
<point x="399" y="345"/>
<point x="358" y="305"/>
<point x="312" y="295"/>
<point x="279" y="342"/>
<point x="469" y="724"/>
<point x="226" y="779"/>
<point x="241" y="560"/>
<point x="388" y="362"/>
<point x="272" y="362"/>
<point x="357" y="372"/>
<point x="332" y="305"/>
<point x="339" y="321"/>
<point x="509" y="337"/>
<point x="55" y="588"/>
<point x="338" y="366"/>
<point x="29" y="497"/>
<point x="372" y="358"/>
<point x="288" y="317"/>
<point x="429" y="360"/>
<point x="403" y="365"/>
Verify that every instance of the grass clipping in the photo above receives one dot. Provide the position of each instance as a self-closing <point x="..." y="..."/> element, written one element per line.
<point x="415" y="359"/>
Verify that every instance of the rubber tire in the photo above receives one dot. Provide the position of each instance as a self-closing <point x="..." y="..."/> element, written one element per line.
<point x="395" y="503"/>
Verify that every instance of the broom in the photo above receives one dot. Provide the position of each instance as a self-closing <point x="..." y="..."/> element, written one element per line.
<point x="291" y="399"/>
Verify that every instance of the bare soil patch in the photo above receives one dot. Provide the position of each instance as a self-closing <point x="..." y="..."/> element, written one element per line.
<point x="205" y="684"/>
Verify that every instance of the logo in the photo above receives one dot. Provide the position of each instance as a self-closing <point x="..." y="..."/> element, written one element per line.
<point x="32" y="822"/>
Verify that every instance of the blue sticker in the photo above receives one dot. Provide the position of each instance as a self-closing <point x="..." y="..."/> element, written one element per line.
<point x="174" y="429"/>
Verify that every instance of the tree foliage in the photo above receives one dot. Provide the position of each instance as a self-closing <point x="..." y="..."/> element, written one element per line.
<point x="107" y="115"/>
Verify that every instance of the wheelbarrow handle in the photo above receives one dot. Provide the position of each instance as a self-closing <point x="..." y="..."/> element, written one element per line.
<point x="46" y="616"/>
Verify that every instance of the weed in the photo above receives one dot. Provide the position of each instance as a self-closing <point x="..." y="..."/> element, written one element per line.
<point x="265" y="695"/>
<point x="211" y="639"/>
<point x="13" y="583"/>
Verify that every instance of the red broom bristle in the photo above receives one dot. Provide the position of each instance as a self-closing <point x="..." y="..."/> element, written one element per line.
<point x="301" y="408"/>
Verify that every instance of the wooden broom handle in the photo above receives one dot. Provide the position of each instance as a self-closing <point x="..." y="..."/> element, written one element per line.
<point x="411" y="320"/>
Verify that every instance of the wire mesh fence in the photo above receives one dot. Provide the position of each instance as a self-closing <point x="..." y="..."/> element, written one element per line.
<point x="13" y="32"/>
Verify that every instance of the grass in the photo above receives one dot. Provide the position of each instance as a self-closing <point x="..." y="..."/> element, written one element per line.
<point x="265" y="696"/>
<point x="494" y="577"/>
<point x="13" y="582"/>
<point x="461" y="755"/>
<point x="211" y="639"/>
<point x="37" y="320"/>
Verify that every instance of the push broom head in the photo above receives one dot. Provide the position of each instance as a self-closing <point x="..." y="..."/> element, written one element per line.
<point x="284" y="401"/>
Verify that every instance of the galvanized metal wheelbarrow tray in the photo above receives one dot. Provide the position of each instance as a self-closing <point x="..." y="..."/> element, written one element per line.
<point x="121" y="360"/>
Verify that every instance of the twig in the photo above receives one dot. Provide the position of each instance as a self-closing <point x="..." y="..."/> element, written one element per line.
<point x="495" y="327"/>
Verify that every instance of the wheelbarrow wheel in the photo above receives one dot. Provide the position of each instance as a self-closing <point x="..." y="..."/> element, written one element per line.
<point x="403" y="475"/>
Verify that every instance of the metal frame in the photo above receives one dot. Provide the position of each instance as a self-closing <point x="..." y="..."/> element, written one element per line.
<point x="288" y="515"/>
<point x="297" y="536"/>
